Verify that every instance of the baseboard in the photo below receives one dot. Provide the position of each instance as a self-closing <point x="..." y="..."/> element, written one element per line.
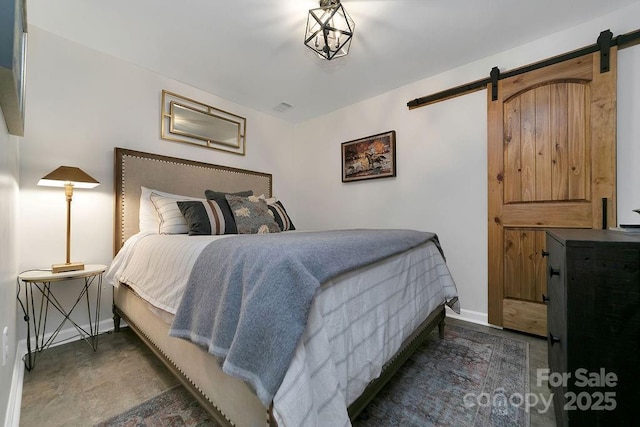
<point x="470" y="316"/>
<point x="12" y="418"/>
<point x="70" y="334"/>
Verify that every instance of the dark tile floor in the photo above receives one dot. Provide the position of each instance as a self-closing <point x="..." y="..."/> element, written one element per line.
<point x="74" y="386"/>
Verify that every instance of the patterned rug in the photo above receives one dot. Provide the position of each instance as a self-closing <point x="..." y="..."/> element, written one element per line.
<point x="468" y="379"/>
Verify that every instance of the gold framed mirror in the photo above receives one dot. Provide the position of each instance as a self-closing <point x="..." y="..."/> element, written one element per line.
<point x="190" y="121"/>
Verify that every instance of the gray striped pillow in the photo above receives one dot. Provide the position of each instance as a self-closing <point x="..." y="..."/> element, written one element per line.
<point x="280" y="215"/>
<point x="205" y="218"/>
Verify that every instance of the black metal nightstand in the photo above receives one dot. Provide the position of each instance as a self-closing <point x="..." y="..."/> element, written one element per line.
<point x="36" y="312"/>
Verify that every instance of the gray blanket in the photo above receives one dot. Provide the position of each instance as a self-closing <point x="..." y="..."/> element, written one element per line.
<point x="248" y="297"/>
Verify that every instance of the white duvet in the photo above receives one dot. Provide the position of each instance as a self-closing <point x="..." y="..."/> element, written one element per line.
<point x="356" y="323"/>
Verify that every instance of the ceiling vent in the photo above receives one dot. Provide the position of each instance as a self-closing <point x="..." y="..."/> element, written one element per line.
<point x="283" y="106"/>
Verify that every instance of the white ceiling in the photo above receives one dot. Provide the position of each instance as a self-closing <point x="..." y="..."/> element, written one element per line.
<point x="252" y="52"/>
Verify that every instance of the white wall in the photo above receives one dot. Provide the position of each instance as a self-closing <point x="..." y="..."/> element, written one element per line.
<point x="441" y="157"/>
<point x="629" y="135"/>
<point x="8" y="258"/>
<point x="80" y="105"/>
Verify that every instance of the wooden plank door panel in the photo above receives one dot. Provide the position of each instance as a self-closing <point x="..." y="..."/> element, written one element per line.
<point x="524" y="316"/>
<point x="566" y="215"/>
<point x="559" y="130"/>
<point x="519" y="263"/>
<point x="543" y="149"/>
<point x="578" y="142"/>
<point x="551" y="161"/>
<point x="525" y="280"/>
<point x="545" y="160"/>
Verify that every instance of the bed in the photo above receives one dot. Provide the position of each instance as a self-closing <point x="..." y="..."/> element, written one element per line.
<point x="346" y="352"/>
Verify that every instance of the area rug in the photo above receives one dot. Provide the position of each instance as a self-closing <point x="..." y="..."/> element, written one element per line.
<point x="469" y="378"/>
<point x="174" y="407"/>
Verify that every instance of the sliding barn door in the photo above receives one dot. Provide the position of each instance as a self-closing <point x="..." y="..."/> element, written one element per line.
<point x="551" y="161"/>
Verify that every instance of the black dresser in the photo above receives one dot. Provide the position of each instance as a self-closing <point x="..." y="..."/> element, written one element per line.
<point x="593" y="315"/>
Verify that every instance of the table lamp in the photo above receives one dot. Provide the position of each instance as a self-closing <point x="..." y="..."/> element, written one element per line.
<point x="68" y="177"/>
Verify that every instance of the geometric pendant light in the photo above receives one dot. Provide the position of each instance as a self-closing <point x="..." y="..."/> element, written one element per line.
<point x="329" y="30"/>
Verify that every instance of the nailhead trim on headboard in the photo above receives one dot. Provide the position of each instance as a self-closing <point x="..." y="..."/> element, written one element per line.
<point x="236" y="178"/>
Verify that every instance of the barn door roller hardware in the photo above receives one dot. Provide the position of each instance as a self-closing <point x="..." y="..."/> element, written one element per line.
<point x="495" y="76"/>
<point x="604" y="43"/>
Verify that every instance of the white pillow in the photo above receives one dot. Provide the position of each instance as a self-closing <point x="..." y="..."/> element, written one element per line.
<point x="171" y="219"/>
<point x="148" y="219"/>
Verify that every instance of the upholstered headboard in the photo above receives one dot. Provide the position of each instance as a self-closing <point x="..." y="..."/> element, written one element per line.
<point x="134" y="169"/>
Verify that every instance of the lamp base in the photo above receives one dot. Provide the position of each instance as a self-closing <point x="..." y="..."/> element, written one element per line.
<point x="72" y="266"/>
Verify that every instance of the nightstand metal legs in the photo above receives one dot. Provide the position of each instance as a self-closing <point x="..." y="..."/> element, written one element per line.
<point x="36" y="315"/>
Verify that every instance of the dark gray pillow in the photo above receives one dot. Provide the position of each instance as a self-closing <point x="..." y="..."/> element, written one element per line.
<point x="205" y="217"/>
<point x="219" y="197"/>
<point x="212" y="194"/>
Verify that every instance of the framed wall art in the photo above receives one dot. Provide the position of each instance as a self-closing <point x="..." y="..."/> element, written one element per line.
<point x="370" y="157"/>
<point x="13" y="55"/>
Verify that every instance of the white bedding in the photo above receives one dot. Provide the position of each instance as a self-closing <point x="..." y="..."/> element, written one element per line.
<point x="356" y="323"/>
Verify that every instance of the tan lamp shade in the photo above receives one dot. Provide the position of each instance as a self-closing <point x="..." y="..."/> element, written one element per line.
<point x="68" y="177"/>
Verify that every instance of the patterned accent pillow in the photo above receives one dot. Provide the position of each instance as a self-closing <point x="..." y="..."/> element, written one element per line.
<point x="205" y="217"/>
<point x="252" y="215"/>
<point x="280" y="215"/>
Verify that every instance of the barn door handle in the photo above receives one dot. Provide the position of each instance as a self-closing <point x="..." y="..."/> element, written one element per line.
<point x="545" y="253"/>
<point x="553" y="339"/>
<point x="553" y="271"/>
